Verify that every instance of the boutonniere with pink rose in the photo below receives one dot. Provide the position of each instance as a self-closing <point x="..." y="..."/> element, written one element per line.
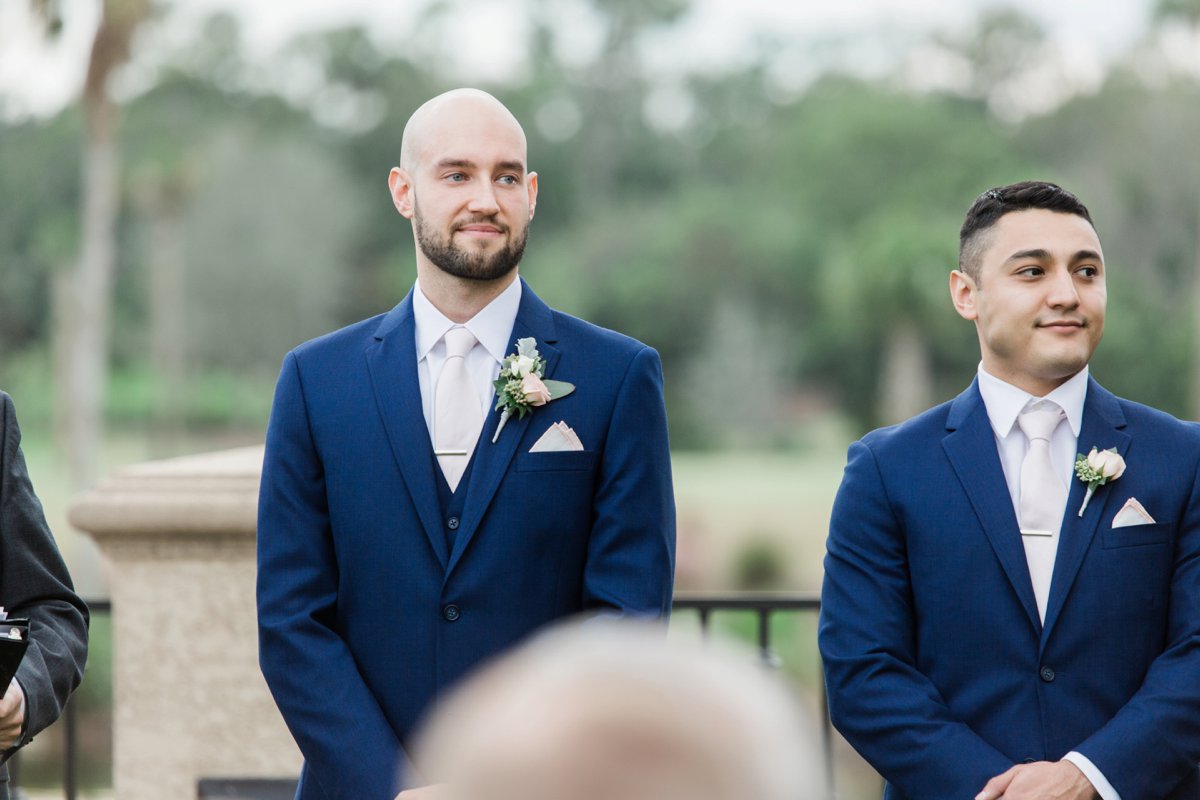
<point x="1096" y="469"/>
<point x="521" y="386"/>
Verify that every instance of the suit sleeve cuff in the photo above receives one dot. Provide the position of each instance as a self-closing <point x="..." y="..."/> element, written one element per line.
<point x="1089" y="770"/>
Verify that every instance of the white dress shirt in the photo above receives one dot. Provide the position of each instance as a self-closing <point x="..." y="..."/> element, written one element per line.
<point x="1004" y="402"/>
<point x="492" y="327"/>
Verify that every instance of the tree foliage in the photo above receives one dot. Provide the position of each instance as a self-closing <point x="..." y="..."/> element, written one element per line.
<point x="786" y="253"/>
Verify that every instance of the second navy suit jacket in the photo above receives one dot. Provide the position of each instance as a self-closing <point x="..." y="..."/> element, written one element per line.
<point x="368" y="609"/>
<point x="939" y="671"/>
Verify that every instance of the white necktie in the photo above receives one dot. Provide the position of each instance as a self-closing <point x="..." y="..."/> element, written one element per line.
<point x="457" y="417"/>
<point x="1043" y="498"/>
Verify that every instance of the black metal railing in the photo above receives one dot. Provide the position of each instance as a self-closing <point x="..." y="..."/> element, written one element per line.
<point x="764" y="605"/>
<point x="97" y="608"/>
<point x="69" y="724"/>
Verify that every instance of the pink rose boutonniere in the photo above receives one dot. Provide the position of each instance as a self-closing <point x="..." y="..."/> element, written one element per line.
<point x="535" y="390"/>
<point x="1096" y="469"/>
<point x="521" y="386"/>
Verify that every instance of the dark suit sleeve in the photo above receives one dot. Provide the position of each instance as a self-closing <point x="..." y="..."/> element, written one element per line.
<point x="34" y="583"/>
<point x="631" y="549"/>
<point x="349" y="747"/>
<point x="1154" y="740"/>
<point x="885" y="707"/>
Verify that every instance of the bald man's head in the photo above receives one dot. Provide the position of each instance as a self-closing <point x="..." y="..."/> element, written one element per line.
<point x="451" y="110"/>
<point x="464" y="183"/>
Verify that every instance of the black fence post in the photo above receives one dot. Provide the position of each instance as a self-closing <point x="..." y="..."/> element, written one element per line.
<point x="71" y="752"/>
<point x="764" y="637"/>
<point x="764" y="605"/>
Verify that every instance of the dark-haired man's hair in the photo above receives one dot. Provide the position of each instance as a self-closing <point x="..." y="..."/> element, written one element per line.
<point x="993" y="204"/>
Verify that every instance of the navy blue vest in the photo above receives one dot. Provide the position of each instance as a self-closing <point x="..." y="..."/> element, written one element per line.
<point x="452" y="503"/>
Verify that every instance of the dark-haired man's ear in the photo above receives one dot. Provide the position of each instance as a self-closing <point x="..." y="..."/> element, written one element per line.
<point x="962" y="294"/>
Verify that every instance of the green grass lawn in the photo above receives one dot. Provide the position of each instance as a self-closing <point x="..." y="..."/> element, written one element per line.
<point x="776" y="502"/>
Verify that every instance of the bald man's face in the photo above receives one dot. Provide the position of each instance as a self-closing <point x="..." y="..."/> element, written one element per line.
<point x="467" y="189"/>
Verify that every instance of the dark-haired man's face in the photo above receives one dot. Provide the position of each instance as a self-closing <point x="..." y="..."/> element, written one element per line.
<point x="1039" y="303"/>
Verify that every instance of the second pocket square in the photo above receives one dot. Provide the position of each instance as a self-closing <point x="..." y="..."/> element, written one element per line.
<point x="1132" y="513"/>
<point x="558" y="438"/>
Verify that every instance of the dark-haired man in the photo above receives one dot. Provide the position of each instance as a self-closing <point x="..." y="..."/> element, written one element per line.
<point x="407" y="530"/>
<point x="997" y="619"/>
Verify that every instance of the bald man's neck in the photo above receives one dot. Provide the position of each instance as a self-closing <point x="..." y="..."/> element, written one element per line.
<point x="460" y="299"/>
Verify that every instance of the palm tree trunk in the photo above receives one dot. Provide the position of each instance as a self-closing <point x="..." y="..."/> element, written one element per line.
<point x="167" y="341"/>
<point x="906" y="376"/>
<point x="84" y="296"/>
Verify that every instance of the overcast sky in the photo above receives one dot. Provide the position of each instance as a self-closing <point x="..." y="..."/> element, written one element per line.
<point x="40" y="78"/>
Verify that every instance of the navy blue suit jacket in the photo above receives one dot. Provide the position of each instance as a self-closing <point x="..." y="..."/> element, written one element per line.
<point x="939" y="671"/>
<point x="355" y="573"/>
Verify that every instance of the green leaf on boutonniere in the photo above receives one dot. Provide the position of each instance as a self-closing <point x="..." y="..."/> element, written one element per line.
<point x="559" y="388"/>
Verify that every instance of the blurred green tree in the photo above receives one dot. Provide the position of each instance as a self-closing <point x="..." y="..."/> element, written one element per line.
<point x="1185" y="15"/>
<point x="39" y="163"/>
<point x="1146" y="204"/>
<point x="809" y="231"/>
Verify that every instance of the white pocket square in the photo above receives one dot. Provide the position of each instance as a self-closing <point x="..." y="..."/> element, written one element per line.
<point x="1132" y="513"/>
<point x="558" y="438"/>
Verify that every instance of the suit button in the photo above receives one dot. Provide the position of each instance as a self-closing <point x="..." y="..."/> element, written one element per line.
<point x="1047" y="674"/>
<point x="452" y="523"/>
<point x="451" y="613"/>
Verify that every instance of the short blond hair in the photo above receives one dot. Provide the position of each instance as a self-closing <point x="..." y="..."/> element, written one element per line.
<point x="615" y="711"/>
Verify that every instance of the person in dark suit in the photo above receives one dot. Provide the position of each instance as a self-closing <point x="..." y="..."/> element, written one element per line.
<point x="1011" y="604"/>
<point x="409" y="530"/>
<point x="35" y="585"/>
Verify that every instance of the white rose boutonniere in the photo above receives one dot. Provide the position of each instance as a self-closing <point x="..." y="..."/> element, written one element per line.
<point x="1096" y="469"/>
<point x="521" y="387"/>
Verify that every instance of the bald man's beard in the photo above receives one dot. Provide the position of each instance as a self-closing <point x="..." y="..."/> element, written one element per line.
<point x="460" y="262"/>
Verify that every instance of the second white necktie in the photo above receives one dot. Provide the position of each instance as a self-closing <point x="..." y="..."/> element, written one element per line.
<point x="457" y="416"/>
<point x="1043" y="498"/>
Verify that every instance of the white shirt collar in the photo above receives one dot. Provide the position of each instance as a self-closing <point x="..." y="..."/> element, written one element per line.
<point x="492" y="326"/>
<point x="1004" y="402"/>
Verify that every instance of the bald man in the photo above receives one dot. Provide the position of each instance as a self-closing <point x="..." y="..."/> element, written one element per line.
<point x="419" y="512"/>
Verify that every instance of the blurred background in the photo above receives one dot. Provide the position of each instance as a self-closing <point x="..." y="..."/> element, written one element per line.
<point x="768" y="193"/>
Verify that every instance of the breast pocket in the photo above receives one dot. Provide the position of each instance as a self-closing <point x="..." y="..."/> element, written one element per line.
<point x="1137" y="535"/>
<point x="559" y="461"/>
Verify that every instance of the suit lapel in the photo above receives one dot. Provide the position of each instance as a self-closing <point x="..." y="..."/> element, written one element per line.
<point x="1102" y="426"/>
<point x="534" y="319"/>
<point x="392" y="364"/>
<point x="971" y="448"/>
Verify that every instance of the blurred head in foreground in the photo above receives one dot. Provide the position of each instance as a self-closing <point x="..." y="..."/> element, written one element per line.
<point x="613" y="711"/>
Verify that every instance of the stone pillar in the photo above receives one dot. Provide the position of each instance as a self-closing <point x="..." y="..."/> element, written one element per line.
<point x="190" y="702"/>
